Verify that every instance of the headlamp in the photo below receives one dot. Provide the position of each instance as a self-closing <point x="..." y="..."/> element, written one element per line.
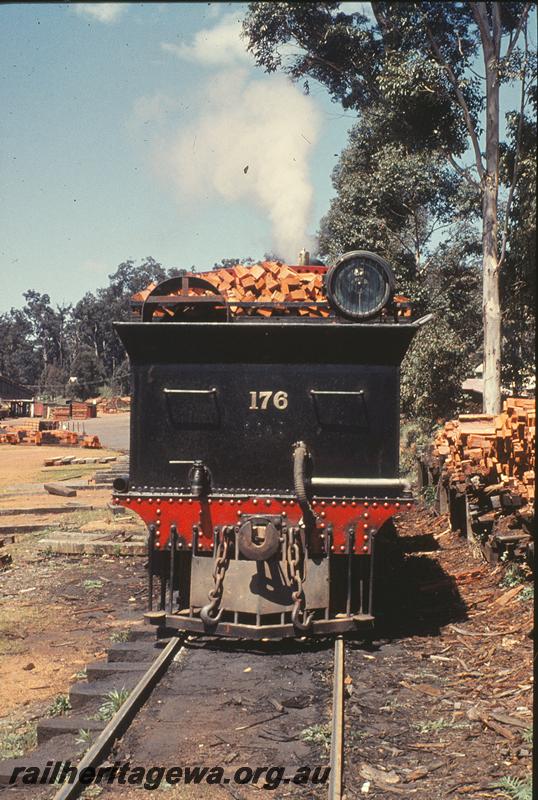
<point x="360" y="284"/>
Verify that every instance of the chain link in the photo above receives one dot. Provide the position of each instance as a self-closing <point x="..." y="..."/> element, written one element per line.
<point x="295" y="559"/>
<point x="212" y="612"/>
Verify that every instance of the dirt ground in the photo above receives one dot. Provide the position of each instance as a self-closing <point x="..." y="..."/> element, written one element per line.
<point x="56" y="612"/>
<point x="23" y="463"/>
<point x="439" y="702"/>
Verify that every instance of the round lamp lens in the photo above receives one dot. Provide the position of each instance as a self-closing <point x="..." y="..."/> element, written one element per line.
<point x="359" y="286"/>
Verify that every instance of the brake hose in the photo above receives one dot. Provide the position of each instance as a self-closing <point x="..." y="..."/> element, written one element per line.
<point x="300" y="455"/>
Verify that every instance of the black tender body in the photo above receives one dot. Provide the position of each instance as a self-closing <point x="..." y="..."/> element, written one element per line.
<point x="192" y="385"/>
<point x="264" y="455"/>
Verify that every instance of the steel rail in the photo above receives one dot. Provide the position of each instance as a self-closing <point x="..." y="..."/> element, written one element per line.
<point x="337" y="727"/>
<point x="122" y="719"/>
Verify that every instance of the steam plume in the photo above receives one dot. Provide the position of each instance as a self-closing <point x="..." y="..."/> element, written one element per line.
<point x="269" y="127"/>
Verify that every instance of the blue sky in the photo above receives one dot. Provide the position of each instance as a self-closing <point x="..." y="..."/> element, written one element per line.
<point x="116" y="120"/>
<point x="127" y="130"/>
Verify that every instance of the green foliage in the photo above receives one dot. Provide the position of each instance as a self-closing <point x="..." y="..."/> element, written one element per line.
<point x="59" y="706"/>
<point x="92" y="792"/>
<point x="120" y="636"/>
<point x="317" y="734"/>
<point x="518" y="275"/>
<point x="390" y="198"/>
<point x="92" y="584"/>
<point x="528" y="735"/>
<point x="514" y="576"/>
<point x="88" y="369"/>
<point x="517" y="788"/>
<point x="526" y="594"/>
<point x="84" y="738"/>
<point x="113" y="702"/>
<point x="436" y="725"/>
<point x="15" y="742"/>
<point x="433" y="371"/>
<point x="415" y="436"/>
<point x="42" y="346"/>
<point x="409" y="70"/>
<point x="228" y="263"/>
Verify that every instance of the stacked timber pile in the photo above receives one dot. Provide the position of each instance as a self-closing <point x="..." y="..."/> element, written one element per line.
<point x="486" y="464"/>
<point x="498" y="449"/>
<point x="110" y="405"/>
<point x="25" y="435"/>
<point x="73" y="410"/>
<point x="60" y="412"/>
<point x="270" y="282"/>
<point x="32" y="425"/>
<point x="113" y="405"/>
<point x="82" y="411"/>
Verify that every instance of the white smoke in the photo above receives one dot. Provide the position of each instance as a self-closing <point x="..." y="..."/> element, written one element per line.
<point x="251" y="142"/>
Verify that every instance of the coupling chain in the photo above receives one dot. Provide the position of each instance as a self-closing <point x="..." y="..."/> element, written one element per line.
<point x="295" y="558"/>
<point x="212" y="612"/>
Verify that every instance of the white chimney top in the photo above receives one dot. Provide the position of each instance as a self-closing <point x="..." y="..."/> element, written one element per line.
<point x="304" y="257"/>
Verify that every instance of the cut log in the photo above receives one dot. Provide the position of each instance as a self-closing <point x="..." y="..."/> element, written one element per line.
<point x="60" y="489"/>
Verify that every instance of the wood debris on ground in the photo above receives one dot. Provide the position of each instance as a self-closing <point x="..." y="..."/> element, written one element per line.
<point x="444" y="708"/>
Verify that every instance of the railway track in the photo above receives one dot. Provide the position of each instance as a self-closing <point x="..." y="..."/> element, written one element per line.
<point x="337" y="723"/>
<point x="273" y="730"/>
<point x="121" y="720"/>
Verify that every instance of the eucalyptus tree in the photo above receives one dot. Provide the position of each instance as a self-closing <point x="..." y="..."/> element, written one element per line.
<point x="436" y="69"/>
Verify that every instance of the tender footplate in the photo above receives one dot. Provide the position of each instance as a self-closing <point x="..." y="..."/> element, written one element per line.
<point x="266" y="630"/>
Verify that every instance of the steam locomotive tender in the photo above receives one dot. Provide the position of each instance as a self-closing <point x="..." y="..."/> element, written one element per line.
<point x="264" y="451"/>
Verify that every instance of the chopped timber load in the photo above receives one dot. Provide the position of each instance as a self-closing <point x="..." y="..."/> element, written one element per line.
<point x="73" y="410"/>
<point x="270" y="282"/>
<point x="269" y="288"/>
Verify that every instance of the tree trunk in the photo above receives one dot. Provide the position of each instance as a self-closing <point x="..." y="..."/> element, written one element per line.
<point x="490" y="263"/>
<point x="491" y="301"/>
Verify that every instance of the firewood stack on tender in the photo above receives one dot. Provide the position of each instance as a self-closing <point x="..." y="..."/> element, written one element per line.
<point x="271" y="288"/>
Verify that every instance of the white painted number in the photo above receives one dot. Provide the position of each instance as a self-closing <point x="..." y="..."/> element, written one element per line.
<point x="280" y="400"/>
<point x="260" y="400"/>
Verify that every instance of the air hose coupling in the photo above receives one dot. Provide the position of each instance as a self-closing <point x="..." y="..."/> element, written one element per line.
<point x="302" y="461"/>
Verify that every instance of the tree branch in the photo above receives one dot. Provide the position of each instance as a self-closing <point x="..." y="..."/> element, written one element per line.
<point x="463" y="172"/>
<point x="515" y="173"/>
<point x="461" y="100"/>
<point x="398" y="238"/>
<point x="521" y="23"/>
<point x="480" y="15"/>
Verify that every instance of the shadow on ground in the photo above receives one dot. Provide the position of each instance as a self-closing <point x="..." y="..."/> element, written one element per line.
<point x="413" y="595"/>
